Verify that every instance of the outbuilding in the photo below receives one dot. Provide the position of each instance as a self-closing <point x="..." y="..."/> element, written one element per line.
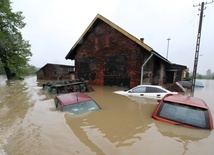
<point x="55" y="72"/>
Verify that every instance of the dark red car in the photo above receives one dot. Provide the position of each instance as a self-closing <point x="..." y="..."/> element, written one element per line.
<point x="76" y="103"/>
<point x="184" y="110"/>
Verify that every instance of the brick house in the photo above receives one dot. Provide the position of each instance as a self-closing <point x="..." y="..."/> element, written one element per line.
<point x="105" y="54"/>
<point x="55" y="72"/>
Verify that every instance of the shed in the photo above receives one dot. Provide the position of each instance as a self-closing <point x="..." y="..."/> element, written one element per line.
<point x="55" y="72"/>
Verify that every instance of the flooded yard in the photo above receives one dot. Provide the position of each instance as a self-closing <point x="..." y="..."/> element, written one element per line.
<point x="29" y="124"/>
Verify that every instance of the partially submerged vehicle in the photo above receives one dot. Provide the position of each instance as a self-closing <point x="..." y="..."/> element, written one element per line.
<point x="185" y="111"/>
<point x="148" y="91"/>
<point x="78" y="85"/>
<point x="183" y="86"/>
<point x="178" y="87"/>
<point x="199" y="84"/>
<point x="76" y="103"/>
<point x="188" y="84"/>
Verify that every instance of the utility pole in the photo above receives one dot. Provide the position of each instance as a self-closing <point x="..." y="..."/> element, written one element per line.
<point x="198" y="43"/>
<point x="167" y="48"/>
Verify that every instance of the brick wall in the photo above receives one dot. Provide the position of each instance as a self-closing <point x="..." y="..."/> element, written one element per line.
<point x="107" y="57"/>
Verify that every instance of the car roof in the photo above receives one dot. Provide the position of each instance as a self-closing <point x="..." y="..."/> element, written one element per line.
<point x="199" y="83"/>
<point x="72" y="98"/>
<point x="187" y="100"/>
<point x="156" y="86"/>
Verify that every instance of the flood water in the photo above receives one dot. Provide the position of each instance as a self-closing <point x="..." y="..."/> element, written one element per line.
<point x="29" y="124"/>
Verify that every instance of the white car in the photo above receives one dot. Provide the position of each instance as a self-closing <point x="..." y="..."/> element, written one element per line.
<point x="148" y="91"/>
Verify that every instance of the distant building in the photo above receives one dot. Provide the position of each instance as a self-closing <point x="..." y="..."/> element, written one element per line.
<point x="105" y="54"/>
<point x="55" y="72"/>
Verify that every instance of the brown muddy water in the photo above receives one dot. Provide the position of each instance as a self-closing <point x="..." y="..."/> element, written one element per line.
<point x="29" y="124"/>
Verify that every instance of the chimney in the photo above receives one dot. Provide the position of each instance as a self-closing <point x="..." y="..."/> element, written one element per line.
<point x="142" y="40"/>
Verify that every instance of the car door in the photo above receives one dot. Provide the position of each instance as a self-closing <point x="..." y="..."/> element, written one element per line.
<point x="155" y="92"/>
<point x="138" y="91"/>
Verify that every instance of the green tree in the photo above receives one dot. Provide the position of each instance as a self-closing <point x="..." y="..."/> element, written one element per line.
<point x="1" y="69"/>
<point x="31" y="70"/>
<point x="14" y="50"/>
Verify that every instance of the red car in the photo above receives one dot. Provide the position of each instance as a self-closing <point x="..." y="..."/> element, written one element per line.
<point x="184" y="110"/>
<point x="76" y="103"/>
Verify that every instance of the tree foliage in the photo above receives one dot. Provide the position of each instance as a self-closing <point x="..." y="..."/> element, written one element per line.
<point x="209" y="75"/>
<point x="14" y="50"/>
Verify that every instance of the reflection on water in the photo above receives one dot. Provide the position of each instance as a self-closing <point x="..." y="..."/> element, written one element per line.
<point x="117" y="125"/>
<point x="29" y="124"/>
<point x="182" y="135"/>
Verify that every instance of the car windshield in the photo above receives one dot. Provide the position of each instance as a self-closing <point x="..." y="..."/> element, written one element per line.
<point x="184" y="114"/>
<point x="81" y="107"/>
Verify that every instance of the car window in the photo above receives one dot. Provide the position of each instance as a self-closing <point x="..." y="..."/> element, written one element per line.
<point x="139" y="90"/>
<point x="184" y="114"/>
<point x="154" y="90"/>
<point x="81" y="107"/>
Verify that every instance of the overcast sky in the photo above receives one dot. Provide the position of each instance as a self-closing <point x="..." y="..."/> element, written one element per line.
<point x="53" y="27"/>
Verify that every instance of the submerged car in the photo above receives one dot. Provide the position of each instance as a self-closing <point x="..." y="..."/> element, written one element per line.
<point x="76" y="103"/>
<point x="184" y="110"/>
<point x="199" y="84"/>
<point x="188" y="84"/>
<point x="185" y="84"/>
<point x="149" y="91"/>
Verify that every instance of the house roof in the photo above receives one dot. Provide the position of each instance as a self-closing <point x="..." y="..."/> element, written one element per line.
<point x="99" y="17"/>
<point x="174" y="67"/>
<point x="161" y="57"/>
<point x="54" y="65"/>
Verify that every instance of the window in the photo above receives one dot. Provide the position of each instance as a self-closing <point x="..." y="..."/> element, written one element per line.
<point x="107" y="41"/>
<point x="139" y="90"/>
<point x="116" y="64"/>
<point x="154" y="90"/>
<point x="184" y="114"/>
<point x="86" y="68"/>
<point x="82" y="107"/>
<point x="96" y="43"/>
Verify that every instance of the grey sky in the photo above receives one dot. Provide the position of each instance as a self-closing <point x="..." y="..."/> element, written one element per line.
<point x="53" y="26"/>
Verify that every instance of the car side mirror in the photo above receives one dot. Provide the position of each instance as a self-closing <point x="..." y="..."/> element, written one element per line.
<point x="129" y="91"/>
